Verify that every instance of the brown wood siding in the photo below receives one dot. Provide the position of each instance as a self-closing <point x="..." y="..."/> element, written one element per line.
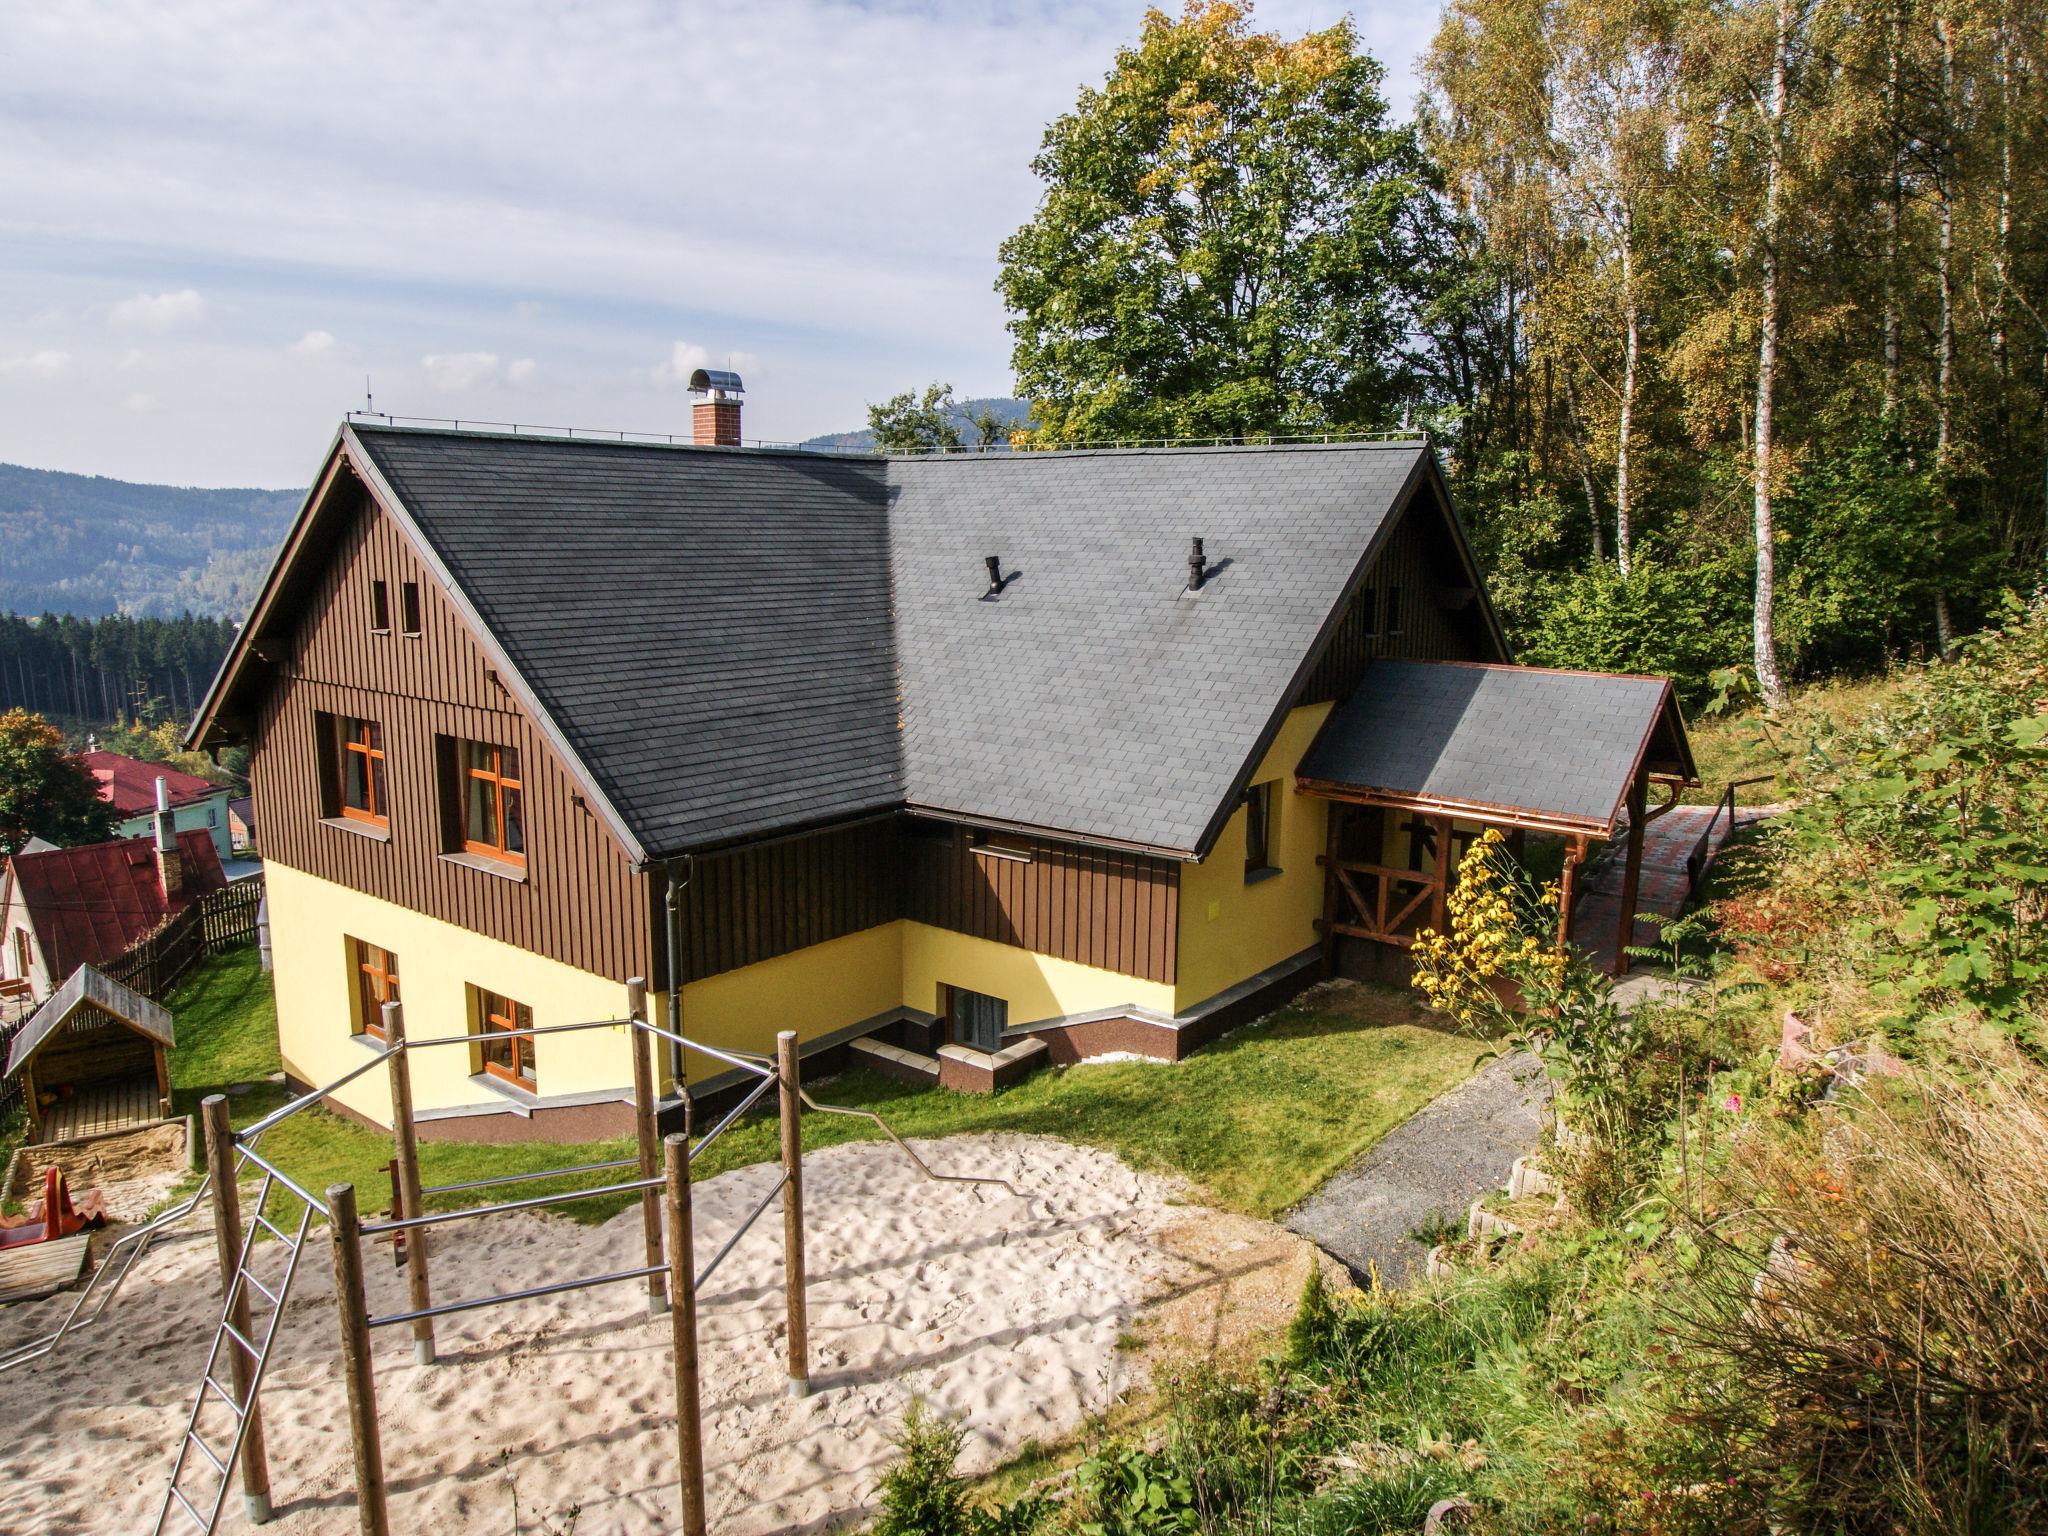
<point x="753" y="904"/>
<point x="1421" y="561"/>
<point x="1117" y="911"/>
<point x="580" y="903"/>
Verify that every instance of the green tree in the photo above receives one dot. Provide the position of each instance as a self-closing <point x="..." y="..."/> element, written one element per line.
<point x="44" y="790"/>
<point x="1234" y="241"/>
<point x="908" y="423"/>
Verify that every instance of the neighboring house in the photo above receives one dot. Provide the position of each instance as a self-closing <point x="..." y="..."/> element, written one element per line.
<point x="129" y="785"/>
<point x="242" y="824"/>
<point x="512" y="701"/>
<point x="90" y="905"/>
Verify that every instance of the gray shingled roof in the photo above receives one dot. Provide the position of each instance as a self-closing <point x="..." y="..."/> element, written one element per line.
<point x="736" y="643"/>
<point x="1097" y="694"/>
<point x="1561" y="744"/>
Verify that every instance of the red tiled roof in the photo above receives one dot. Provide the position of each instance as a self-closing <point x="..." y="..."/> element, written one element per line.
<point x="129" y="784"/>
<point x="91" y="905"/>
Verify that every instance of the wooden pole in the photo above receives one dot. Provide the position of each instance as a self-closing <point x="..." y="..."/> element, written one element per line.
<point x="1334" y="811"/>
<point x="789" y="1069"/>
<point x="682" y="1312"/>
<point x="372" y="1519"/>
<point x="1567" y="887"/>
<point x="1631" y="876"/>
<point x="227" y="1238"/>
<point x="405" y="1138"/>
<point x="1440" y="886"/>
<point x="645" y="1121"/>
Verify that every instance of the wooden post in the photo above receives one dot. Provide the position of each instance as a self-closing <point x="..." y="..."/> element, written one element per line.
<point x="1631" y="875"/>
<point x="372" y="1519"/>
<point x="1442" y="885"/>
<point x="1567" y="885"/>
<point x="227" y="1238"/>
<point x="789" y="1070"/>
<point x="405" y="1138"/>
<point x="645" y="1123"/>
<point x="1336" y="811"/>
<point x="682" y="1313"/>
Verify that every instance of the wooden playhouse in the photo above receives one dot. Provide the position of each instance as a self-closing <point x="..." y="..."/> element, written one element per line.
<point x="94" y="1058"/>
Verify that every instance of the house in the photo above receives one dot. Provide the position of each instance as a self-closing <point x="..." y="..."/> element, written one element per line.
<point x="242" y="824"/>
<point x="90" y="905"/>
<point x="980" y="758"/>
<point x="129" y="785"/>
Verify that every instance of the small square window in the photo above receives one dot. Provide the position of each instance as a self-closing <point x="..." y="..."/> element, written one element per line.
<point x="380" y="607"/>
<point x="1259" y="808"/>
<point x="409" y="606"/>
<point x="976" y="1020"/>
<point x="352" y="783"/>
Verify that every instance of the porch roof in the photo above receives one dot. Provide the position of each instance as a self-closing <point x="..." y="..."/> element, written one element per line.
<point x="1524" y="746"/>
<point x="87" y="989"/>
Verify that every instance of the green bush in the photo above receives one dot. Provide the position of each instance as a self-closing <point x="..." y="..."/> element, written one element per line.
<point x="922" y="1495"/>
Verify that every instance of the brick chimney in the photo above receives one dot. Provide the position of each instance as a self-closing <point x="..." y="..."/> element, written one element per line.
<point x="715" y="415"/>
<point x="170" y="862"/>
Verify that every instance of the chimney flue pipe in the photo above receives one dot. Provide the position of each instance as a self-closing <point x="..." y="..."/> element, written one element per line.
<point x="995" y="574"/>
<point x="1198" y="566"/>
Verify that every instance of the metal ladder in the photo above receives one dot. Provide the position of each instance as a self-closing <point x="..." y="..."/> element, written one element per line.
<point x="202" y="1507"/>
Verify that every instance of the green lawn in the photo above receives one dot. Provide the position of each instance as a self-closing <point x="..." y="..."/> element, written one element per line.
<point x="1259" y="1119"/>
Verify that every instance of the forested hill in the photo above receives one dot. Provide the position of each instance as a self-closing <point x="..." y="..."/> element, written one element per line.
<point x="1013" y="413"/>
<point x="87" y="545"/>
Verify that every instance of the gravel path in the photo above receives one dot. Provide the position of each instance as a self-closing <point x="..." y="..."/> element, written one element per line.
<point x="1438" y="1162"/>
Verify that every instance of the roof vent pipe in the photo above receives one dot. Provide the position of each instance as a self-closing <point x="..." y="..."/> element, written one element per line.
<point x="1197" y="566"/>
<point x="995" y="574"/>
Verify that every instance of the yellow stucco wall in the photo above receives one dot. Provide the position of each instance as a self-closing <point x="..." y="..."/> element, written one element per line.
<point x="311" y="921"/>
<point x="1036" y="986"/>
<point x="814" y="991"/>
<point x="1231" y="930"/>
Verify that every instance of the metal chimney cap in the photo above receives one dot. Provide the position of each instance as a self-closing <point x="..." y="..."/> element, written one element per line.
<point x="718" y="382"/>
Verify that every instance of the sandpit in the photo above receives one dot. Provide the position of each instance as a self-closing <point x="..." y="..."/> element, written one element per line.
<point x="1003" y="1312"/>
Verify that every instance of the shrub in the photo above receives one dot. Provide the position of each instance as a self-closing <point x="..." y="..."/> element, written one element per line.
<point x="921" y="1495"/>
<point x="1887" y="1358"/>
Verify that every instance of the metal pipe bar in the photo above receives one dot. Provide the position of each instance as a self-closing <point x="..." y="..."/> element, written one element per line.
<point x="252" y="1155"/>
<point x="521" y="1178"/>
<point x="505" y="1034"/>
<point x="248" y="1134"/>
<point x="746" y="1060"/>
<point x="472" y="1303"/>
<point x="760" y="1090"/>
<point x="904" y="1146"/>
<point x="741" y="1230"/>
<point x="436" y="1218"/>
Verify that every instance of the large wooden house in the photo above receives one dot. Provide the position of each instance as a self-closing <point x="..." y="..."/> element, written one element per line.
<point x="980" y="757"/>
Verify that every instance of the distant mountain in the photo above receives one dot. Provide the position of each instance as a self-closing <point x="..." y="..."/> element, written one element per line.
<point x="88" y="545"/>
<point x="1012" y="413"/>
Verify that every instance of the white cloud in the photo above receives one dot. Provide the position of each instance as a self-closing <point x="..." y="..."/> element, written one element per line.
<point x="45" y="363"/>
<point x="134" y="360"/>
<point x="315" y="345"/>
<point x="521" y="370"/>
<point x="139" y="403"/>
<point x="455" y="373"/>
<point x="686" y="357"/>
<point x="159" y="311"/>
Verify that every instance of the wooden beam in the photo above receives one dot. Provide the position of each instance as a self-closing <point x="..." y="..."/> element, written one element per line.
<point x="405" y="1142"/>
<point x="682" y="1301"/>
<point x="788" y="1069"/>
<point x="1335" y="812"/>
<point x="227" y="1239"/>
<point x="1440" y="886"/>
<point x="1638" y="794"/>
<point x="372" y="1517"/>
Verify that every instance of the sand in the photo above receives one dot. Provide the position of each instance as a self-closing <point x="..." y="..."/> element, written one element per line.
<point x="1018" y="1316"/>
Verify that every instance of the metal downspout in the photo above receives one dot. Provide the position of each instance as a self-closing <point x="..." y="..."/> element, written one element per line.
<point x="675" y="967"/>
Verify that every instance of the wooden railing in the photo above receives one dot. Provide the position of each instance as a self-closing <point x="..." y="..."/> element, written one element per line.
<point x="1378" y="912"/>
<point x="1702" y="854"/>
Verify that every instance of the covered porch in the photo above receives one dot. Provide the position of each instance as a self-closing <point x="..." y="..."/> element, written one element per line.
<point x="1426" y="754"/>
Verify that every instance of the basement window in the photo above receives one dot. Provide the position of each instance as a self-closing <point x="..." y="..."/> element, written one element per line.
<point x="409" y="606"/>
<point x="380" y="607"/>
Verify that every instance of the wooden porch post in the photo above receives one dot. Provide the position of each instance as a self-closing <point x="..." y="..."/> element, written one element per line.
<point x="1574" y="852"/>
<point x="1334" y="842"/>
<point x="1638" y="803"/>
<point x="1442" y="882"/>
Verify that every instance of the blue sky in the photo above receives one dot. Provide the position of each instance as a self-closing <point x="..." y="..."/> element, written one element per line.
<point x="216" y="218"/>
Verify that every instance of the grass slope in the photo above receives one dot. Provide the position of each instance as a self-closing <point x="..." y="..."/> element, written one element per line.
<point x="1259" y="1120"/>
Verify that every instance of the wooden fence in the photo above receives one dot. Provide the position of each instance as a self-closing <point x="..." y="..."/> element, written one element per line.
<point x="216" y="921"/>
